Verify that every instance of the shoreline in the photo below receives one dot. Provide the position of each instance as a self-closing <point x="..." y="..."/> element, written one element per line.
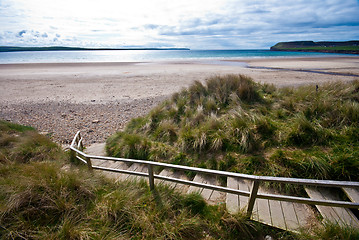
<point x="189" y="61"/>
<point x="100" y="98"/>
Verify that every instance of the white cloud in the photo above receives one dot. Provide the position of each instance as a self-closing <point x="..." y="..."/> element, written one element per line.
<point x="197" y="24"/>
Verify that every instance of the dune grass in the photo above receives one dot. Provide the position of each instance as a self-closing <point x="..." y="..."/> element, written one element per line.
<point x="44" y="196"/>
<point x="232" y="123"/>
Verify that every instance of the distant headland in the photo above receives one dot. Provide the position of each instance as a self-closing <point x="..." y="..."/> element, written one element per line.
<point x="59" y="48"/>
<point x="350" y="47"/>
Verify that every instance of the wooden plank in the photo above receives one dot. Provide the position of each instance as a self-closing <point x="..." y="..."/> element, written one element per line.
<point x="304" y="214"/>
<point x="211" y="196"/>
<point x="166" y="173"/>
<point x="264" y="214"/>
<point x="352" y="193"/>
<point x="113" y="164"/>
<point x="245" y="185"/>
<point x="138" y="168"/>
<point x="290" y="216"/>
<point x="97" y="149"/>
<point x="338" y="215"/>
<point x="96" y="162"/>
<point x="232" y="200"/>
<point x="132" y="168"/>
<point x="215" y="197"/>
<point x="197" y="178"/>
<point x="277" y="214"/>
<point x="180" y="175"/>
<point x="174" y="174"/>
<point x="206" y="193"/>
<point x="345" y="215"/>
<point x="327" y="212"/>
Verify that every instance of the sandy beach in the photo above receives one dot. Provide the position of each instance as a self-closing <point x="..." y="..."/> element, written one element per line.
<point x="100" y="98"/>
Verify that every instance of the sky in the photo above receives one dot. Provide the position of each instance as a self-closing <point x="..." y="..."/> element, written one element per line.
<point x="194" y="24"/>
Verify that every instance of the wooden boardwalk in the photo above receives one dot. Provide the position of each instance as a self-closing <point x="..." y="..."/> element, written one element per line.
<point x="342" y="216"/>
<point x="280" y="214"/>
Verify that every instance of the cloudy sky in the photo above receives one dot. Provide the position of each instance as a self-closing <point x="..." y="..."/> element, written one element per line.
<point x="196" y="24"/>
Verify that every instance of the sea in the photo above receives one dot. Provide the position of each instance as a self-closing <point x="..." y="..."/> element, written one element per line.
<point x="147" y="55"/>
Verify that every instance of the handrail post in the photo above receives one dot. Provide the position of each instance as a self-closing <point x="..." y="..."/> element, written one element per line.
<point x="72" y="155"/>
<point x="80" y="145"/>
<point x="89" y="164"/>
<point x="151" y="178"/>
<point x="252" y="197"/>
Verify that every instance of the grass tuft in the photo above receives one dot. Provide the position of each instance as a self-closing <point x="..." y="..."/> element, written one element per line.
<point x="232" y="115"/>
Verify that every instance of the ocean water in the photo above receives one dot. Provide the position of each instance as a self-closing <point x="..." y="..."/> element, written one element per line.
<point x="144" y="55"/>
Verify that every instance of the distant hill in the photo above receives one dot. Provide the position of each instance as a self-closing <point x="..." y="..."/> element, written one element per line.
<point x="59" y="48"/>
<point x="350" y="47"/>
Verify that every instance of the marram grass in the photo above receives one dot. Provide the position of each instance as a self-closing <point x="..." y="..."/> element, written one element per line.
<point x="289" y="132"/>
<point x="44" y="196"/>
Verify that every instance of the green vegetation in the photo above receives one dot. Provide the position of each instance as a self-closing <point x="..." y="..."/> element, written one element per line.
<point x="234" y="124"/>
<point x="44" y="196"/>
<point x="310" y="46"/>
<point x="344" y="48"/>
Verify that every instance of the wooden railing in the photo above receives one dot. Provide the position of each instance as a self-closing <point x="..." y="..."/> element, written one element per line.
<point x="77" y="147"/>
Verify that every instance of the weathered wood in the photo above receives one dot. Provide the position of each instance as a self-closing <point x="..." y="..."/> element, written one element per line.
<point x="89" y="164"/>
<point x="172" y="174"/>
<point x="236" y="202"/>
<point x="180" y="175"/>
<point x="264" y="215"/>
<point x="304" y="214"/>
<point x="81" y="159"/>
<point x="338" y="215"/>
<point x="332" y="203"/>
<point x="80" y="145"/>
<point x="352" y="193"/>
<point x="252" y="197"/>
<point x="202" y="185"/>
<point x="277" y="214"/>
<point x="151" y="180"/>
<point x="198" y="178"/>
<point x="215" y="196"/>
<point x="75" y="139"/>
<point x="280" y="214"/>
<point x="232" y="200"/>
<point x="245" y="185"/>
<point x="136" y="168"/>
<point x="96" y="149"/>
<point x="210" y="195"/>
<point x="290" y="216"/>
<point x="114" y="165"/>
<point x="141" y="174"/>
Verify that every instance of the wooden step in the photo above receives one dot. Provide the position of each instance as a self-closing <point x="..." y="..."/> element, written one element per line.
<point x="236" y="202"/>
<point x="174" y="174"/>
<point x="284" y="215"/>
<point x="135" y="167"/>
<point x="97" y="149"/>
<point x="111" y="164"/>
<point x="211" y="196"/>
<point x="342" y="216"/>
<point x="352" y="193"/>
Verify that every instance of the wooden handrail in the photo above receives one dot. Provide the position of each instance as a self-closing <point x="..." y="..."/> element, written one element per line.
<point x="253" y="194"/>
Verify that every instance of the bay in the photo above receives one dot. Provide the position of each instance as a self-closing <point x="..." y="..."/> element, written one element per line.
<point x="145" y="55"/>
